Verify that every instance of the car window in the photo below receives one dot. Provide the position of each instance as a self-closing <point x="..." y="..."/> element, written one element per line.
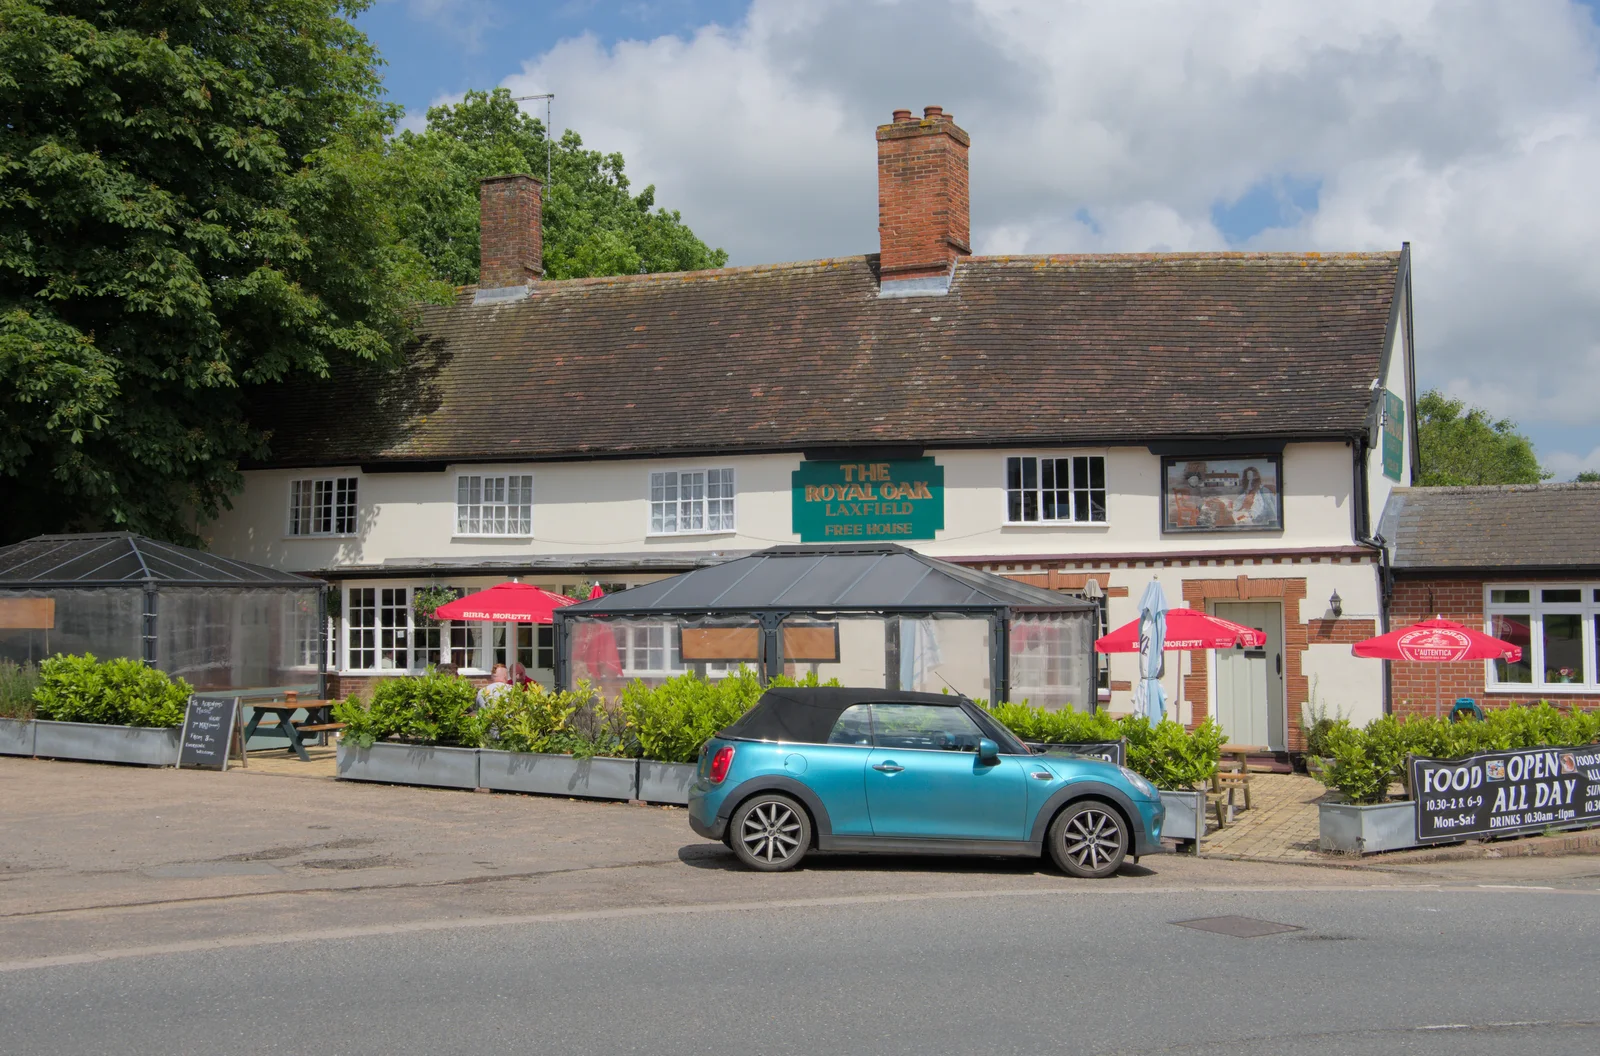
<point x="854" y="726"/>
<point x="925" y="726"/>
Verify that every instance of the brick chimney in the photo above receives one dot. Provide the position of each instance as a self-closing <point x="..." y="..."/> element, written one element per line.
<point x="924" y="221"/>
<point x="510" y="236"/>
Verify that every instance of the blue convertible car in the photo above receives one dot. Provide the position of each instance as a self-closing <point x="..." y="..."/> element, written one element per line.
<point x="874" y="770"/>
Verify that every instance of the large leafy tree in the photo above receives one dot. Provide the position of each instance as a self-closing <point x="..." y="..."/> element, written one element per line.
<point x="593" y="223"/>
<point x="190" y="204"/>
<point x="1462" y="445"/>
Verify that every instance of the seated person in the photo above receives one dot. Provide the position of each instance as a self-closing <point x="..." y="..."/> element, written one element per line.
<point x="499" y="684"/>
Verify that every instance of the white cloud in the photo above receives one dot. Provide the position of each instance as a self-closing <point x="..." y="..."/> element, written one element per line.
<point x="1471" y="129"/>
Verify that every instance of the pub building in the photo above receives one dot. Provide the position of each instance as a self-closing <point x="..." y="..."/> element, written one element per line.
<point x="1227" y="424"/>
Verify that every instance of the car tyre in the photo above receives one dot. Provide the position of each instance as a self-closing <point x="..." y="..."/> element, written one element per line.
<point x="770" y="832"/>
<point x="1089" y="839"/>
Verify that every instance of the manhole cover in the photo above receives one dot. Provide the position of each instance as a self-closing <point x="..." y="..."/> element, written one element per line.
<point x="1238" y="927"/>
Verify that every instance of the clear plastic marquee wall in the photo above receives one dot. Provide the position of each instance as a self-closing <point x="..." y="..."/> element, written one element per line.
<point x="874" y="617"/>
<point x="223" y="626"/>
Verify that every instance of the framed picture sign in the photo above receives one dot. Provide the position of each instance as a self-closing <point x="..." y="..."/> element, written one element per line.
<point x="1222" y="494"/>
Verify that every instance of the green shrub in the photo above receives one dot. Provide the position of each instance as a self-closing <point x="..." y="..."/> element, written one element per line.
<point x="433" y="708"/>
<point x="1169" y="756"/>
<point x="573" y="722"/>
<point x="119" y="692"/>
<point x="1367" y="761"/>
<point x="671" y="721"/>
<point x="1056" y="727"/>
<point x="18" y="682"/>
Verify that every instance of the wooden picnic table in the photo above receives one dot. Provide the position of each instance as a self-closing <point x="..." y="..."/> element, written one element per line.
<point x="283" y="711"/>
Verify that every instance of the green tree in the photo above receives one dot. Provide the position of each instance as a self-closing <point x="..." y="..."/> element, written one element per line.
<point x="1589" y="476"/>
<point x="593" y="224"/>
<point x="190" y="204"/>
<point x="1461" y="445"/>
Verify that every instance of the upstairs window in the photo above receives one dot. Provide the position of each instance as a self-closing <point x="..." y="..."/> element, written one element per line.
<point x="1069" y="490"/>
<point x="325" y="506"/>
<point x="699" y="500"/>
<point x="494" y="505"/>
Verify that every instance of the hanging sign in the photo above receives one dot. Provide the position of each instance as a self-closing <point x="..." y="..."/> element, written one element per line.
<point x="841" y="502"/>
<point x="1504" y="793"/>
<point x="1394" y="435"/>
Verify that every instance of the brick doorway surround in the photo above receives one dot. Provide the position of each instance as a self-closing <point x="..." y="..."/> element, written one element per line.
<point x="1296" y="637"/>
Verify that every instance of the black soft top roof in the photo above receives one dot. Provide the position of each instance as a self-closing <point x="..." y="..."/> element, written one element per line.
<point x="806" y="714"/>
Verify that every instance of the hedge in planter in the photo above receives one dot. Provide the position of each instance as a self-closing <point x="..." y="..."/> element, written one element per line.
<point x="119" y="692"/>
<point x="1164" y="753"/>
<point x="433" y="708"/>
<point x="18" y="683"/>
<point x="1364" y="763"/>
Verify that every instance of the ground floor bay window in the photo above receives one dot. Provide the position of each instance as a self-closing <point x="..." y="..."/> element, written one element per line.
<point x="1557" y="626"/>
<point x="383" y="633"/>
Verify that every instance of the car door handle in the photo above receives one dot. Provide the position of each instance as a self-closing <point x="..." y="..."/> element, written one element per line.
<point x="888" y="768"/>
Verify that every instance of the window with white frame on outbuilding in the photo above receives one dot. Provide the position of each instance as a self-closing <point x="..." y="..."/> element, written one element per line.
<point x="1066" y="490"/>
<point x="1557" y="625"/>
<point x="322" y="506"/>
<point x="494" y="504"/>
<point x="691" y="500"/>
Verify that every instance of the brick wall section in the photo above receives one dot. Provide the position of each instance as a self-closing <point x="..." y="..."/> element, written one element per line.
<point x="924" y="213"/>
<point x="341" y="686"/>
<point x="1426" y="688"/>
<point x="511" y="235"/>
<point x="1069" y="581"/>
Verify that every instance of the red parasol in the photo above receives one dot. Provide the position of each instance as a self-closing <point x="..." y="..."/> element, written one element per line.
<point x="509" y="602"/>
<point x="596" y="592"/>
<point x="1186" y="629"/>
<point x="1437" y="641"/>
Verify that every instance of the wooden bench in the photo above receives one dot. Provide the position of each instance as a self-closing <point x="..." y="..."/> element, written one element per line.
<point x="318" y="728"/>
<point x="1232" y="778"/>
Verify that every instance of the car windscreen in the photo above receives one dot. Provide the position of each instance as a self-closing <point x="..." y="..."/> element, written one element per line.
<point x="1010" y="743"/>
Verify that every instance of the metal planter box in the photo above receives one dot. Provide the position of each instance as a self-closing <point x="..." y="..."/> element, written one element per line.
<point x="1186" y="815"/>
<point x="665" y="782"/>
<point x="410" y="764"/>
<point x="92" y="742"/>
<point x="559" y="775"/>
<point x="1353" y="828"/>
<point x="16" y="736"/>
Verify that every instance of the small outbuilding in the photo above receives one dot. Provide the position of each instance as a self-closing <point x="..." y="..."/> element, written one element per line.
<point x="877" y="616"/>
<point x="222" y="625"/>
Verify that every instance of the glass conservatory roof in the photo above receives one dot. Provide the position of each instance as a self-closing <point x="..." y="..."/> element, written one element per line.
<point x="109" y="558"/>
<point x="881" y="578"/>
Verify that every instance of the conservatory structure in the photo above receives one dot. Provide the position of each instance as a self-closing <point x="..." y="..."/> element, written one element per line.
<point x="223" y="626"/>
<point x="870" y="616"/>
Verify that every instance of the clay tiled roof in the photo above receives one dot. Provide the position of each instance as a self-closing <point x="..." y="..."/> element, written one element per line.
<point x="1526" y="526"/>
<point x="1023" y="350"/>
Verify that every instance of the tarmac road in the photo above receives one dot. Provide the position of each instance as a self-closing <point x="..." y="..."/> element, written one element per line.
<point x="1410" y="970"/>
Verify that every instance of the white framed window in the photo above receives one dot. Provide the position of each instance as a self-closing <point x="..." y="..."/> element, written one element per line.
<point x="1558" y="627"/>
<point x="489" y="504"/>
<point x="322" y="506"/>
<point x="1043" y="489"/>
<point x="361" y="628"/>
<point x="691" y="500"/>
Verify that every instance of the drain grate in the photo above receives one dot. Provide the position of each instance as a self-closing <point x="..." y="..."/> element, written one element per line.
<point x="1238" y="927"/>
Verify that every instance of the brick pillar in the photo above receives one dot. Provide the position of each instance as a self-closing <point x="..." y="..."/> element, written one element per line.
<point x="924" y="216"/>
<point x="511" y="237"/>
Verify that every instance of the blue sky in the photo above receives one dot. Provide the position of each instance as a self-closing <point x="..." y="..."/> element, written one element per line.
<point x="1470" y="128"/>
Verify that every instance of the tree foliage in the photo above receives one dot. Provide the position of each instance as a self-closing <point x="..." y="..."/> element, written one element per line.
<point x="1461" y="445"/>
<point x="190" y="204"/>
<point x="593" y="223"/>
<point x="1589" y="476"/>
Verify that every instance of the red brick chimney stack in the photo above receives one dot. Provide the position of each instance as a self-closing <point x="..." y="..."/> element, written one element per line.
<point x="924" y="214"/>
<point x="510" y="235"/>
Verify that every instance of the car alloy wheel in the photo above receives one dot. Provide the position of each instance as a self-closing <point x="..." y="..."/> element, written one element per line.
<point x="1089" y="839"/>
<point x="771" y="833"/>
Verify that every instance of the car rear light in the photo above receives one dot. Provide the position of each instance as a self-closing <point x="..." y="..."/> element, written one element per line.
<point x="720" y="763"/>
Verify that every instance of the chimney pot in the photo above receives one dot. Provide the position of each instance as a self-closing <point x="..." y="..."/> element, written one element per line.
<point x="924" y="215"/>
<point x="902" y="116"/>
<point x="510" y="232"/>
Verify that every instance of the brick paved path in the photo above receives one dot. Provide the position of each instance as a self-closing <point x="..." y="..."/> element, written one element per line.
<point x="1282" y="826"/>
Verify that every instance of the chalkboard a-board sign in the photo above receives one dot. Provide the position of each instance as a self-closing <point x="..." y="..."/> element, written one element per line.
<point x="208" y="725"/>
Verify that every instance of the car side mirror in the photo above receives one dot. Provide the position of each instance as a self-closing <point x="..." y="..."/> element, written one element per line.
<point x="988" y="752"/>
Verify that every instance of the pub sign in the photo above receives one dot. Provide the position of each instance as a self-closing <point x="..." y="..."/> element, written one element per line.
<point x="842" y="502"/>
<point x="1394" y="435"/>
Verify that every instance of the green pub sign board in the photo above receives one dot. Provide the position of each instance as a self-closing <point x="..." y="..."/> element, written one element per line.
<point x="1394" y="435"/>
<point x="839" y="502"/>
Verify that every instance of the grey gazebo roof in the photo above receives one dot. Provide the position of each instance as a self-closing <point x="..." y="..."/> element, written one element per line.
<point x="881" y="578"/>
<point x="124" y="559"/>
